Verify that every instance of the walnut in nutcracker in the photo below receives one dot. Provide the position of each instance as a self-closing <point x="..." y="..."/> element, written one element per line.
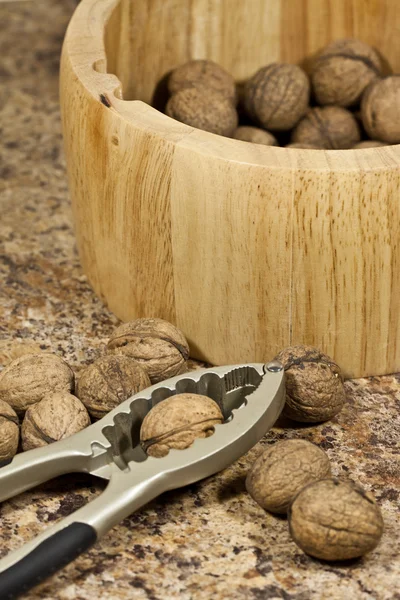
<point x="158" y="346"/>
<point x="380" y="110"/>
<point x="9" y="431"/>
<point x="177" y="421"/>
<point x="314" y="384"/>
<point x="205" y="73"/>
<point x="30" y="378"/>
<point x="330" y="127"/>
<point x="335" y="520"/>
<point x="54" y="418"/>
<point x="277" y="96"/>
<point x="343" y="70"/>
<point x="283" y="470"/>
<point x="205" y="109"/>
<point x="108" y="381"/>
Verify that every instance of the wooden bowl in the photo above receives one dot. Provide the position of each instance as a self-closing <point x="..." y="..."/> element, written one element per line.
<point x="246" y="248"/>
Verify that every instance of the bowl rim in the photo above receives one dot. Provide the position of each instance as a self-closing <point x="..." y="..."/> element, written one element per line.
<point x="86" y="30"/>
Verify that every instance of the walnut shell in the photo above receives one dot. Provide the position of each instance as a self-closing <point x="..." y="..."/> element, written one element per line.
<point x="277" y="96"/>
<point x="12" y="349"/>
<point x="314" y="385"/>
<point x="343" y="70"/>
<point x="304" y="146"/>
<point x="380" y="110"/>
<point x="255" y="135"/>
<point x="283" y="470"/>
<point x="335" y="520"/>
<point x="108" y="381"/>
<point x="177" y="421"/>
<point x="54" y="418"/>
<point x="368" y="144"/>
<point x="205" y="109"/>
<point x="30" y="378"/>
<point x="331" y="127"/>
<point x="158" y="346"/>
<point x="204" y="73"/>
<point x="9" y="431"/>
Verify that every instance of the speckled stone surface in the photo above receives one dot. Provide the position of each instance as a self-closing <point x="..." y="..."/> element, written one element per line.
<point x="209" y="540"/>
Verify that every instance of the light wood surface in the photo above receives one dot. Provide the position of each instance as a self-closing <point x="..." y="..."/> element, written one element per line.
<point x="246" y="248"/>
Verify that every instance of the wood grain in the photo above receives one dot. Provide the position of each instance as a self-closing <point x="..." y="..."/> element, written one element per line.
<point x="147" y="38"/>
<point x="246" y="248"/>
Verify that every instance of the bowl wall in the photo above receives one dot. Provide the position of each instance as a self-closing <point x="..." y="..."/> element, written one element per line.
<point x="246" y="248"/>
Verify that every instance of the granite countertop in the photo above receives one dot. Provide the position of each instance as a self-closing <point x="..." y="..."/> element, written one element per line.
<point x="208" y="540"/>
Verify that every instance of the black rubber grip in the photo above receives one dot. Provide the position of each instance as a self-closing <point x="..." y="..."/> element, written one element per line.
<point x="3" y="463"/>
<point x="47" y="558"/>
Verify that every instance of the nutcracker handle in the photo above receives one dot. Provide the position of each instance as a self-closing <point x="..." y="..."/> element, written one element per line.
<point x="52" y="554"/>
<point x="28" y="469"/>
<point x="56" y="546"/>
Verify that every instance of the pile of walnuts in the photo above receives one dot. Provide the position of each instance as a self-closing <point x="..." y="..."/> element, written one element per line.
<point x="328" y="518"/>
<point x="42" y="392"/>
<point x="345" y="100"/>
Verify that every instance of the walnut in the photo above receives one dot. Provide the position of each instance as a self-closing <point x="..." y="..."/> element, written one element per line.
<point x="380" y="110"/>
<point x="9" y="431"/>
<point x="12" y="349"/>
<point x="314" y="385"/>
<point x="205" y="73"/>
<point x="158" y="346"/>
<point x="28" y="379"/>
<point x="368" y="144"/>
<point x="303" y="145"/>
<point x="177" y="421"/>
<point x="335" y="520"/>
<point x="277" y="96"/>
<point x="343" y="70"/>
<point x="54" y="418"/>
<point x="283" y="470"/>
<point x="331" y="127"/>
<point x="205" y="109"/>
<point x="255" y="135"/>
<point x="108" y="381"/>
